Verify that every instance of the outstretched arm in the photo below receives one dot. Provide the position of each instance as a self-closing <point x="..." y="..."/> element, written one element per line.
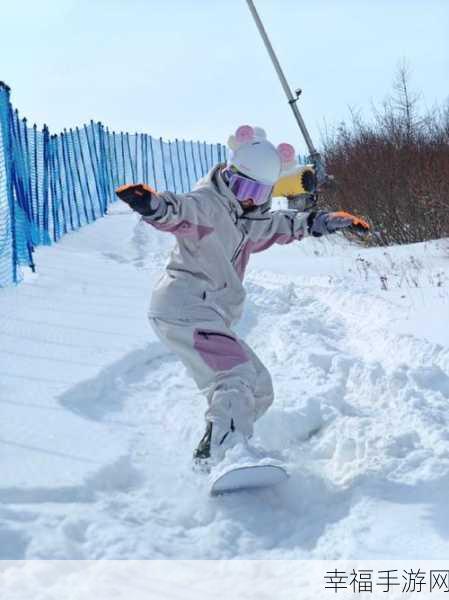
<point x="285" y="226"/>
<point x="164" y="210"/>
<point x="279" y="227"/>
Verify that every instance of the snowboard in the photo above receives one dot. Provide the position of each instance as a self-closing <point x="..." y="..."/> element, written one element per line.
<point x="246" y="478"/>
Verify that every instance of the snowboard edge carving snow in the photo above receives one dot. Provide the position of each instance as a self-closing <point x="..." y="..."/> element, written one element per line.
<point x="247" y="478"/>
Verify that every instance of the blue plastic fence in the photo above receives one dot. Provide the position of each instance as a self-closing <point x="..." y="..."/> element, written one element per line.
<point x="52" y="184"/>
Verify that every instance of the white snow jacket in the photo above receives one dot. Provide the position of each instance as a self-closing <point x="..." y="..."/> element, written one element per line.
<point x="215" y="239"/>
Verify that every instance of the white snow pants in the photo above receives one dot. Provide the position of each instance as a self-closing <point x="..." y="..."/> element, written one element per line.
<point x="235" y="382"/>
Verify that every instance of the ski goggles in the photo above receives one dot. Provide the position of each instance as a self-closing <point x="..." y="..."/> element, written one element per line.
<point x="244" y="188"/>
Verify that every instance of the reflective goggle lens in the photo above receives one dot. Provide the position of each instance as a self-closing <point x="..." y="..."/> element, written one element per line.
<point x="244" y="188"/>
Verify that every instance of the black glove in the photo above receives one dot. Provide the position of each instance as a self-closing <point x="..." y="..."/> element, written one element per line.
<point x="140" y="197"/>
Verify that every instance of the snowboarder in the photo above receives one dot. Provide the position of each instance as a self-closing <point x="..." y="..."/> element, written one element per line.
<point x="200" y="296"/>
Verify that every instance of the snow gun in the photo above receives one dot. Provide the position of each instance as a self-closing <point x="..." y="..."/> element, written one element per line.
<point x="301" y="186"/>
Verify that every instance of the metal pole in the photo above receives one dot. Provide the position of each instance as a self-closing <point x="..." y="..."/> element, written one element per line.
<point x="292" y="100"/>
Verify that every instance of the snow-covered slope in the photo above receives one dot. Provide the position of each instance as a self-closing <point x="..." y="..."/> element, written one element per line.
<point x="98" y="419"/>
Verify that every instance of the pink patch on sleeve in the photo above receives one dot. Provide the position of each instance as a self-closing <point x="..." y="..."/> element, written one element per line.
<point x="183" y="229"/>
<point x="252" y="247"/>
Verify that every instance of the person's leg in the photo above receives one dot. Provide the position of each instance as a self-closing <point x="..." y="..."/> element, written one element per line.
<point x="263" y="392"/>
<point x="223" y="368"/>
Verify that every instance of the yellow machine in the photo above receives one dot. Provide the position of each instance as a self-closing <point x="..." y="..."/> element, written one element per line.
<point x="301" y="181"/>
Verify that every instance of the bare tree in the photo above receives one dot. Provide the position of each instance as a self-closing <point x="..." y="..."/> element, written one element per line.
<point x="395" y="168"/>
<point x="405" y="101"/>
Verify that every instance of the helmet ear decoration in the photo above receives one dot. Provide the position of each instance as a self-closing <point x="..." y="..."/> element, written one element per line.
<point x="244" y="134"/>
<point x="287" y="154"/>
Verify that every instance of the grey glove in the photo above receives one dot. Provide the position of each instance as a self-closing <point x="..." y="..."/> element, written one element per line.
<point x="322" y="223"/>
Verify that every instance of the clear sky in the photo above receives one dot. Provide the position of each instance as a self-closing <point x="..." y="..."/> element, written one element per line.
<point x="197" y="69"/>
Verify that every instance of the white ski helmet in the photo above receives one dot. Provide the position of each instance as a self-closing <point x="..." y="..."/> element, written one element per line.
<point x="253" y="155"/>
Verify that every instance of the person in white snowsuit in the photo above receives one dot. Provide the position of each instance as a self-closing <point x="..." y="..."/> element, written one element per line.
<point x="200" y="297"/>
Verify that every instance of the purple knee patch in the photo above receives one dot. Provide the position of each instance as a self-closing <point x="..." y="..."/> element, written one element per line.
<point x="221" y="352"/>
